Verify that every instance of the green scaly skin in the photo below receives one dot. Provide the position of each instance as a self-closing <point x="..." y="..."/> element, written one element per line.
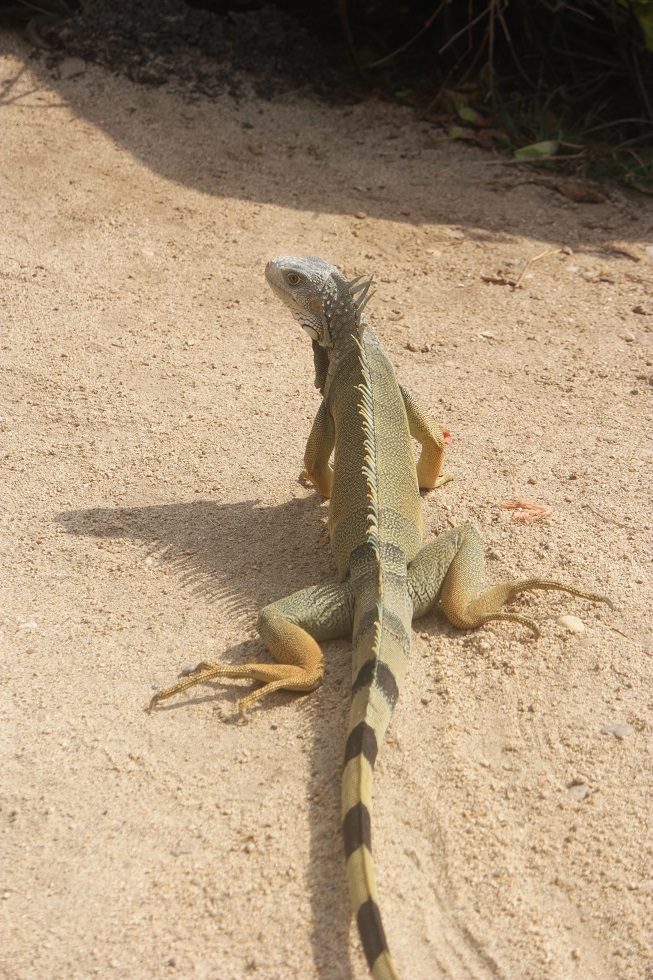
<point x="387" y="577"/>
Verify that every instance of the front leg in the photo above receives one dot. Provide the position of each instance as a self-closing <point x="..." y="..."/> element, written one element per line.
<point x="321" y="362"/>
<point x="318" y="451"/>
<point x="432" y="439"/>
<point x="290" y="628"/>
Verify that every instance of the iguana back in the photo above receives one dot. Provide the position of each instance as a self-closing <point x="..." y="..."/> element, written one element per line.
<point x="386" y="576"/>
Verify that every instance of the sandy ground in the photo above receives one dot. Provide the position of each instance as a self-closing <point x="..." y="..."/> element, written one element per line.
<point x="155" y="403"/>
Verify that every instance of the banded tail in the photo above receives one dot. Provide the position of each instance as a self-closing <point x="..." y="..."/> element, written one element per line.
<point x="381" y="640"/>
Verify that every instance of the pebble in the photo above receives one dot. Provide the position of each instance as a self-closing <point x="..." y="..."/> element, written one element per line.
<point x="572" y="623"/>
<point x="361" y="215"/>
<point x="619" y="731"/>
<point x="71" y="68"/>
<point x="578" y="791"/>
<point x="629" y="337"/>
<point x="455" y="233"/>
<point x="649" y="250"/>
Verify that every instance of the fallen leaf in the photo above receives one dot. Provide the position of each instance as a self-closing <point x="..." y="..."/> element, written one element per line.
<point x="461" y="133"/>
<point x="537" y="151"/>
<point x="580" y="193"/>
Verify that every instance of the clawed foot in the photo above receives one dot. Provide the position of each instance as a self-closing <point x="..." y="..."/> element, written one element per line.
<point x="205" y="671"/>
<point x="275" y="677"/>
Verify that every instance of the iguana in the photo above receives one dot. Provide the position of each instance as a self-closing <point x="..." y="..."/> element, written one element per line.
<point x="387" y="577"/>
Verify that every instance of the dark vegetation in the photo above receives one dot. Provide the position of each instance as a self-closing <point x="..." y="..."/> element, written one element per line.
<point x="564" y="82"/>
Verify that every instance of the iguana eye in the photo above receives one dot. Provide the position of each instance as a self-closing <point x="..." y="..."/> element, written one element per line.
<point x="293" y="279"/>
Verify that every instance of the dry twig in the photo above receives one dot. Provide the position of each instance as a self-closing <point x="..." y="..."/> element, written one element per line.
<point x="524" y="510"/>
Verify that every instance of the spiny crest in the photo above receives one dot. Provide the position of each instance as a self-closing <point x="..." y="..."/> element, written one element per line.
<point x="366" y="412"/>
<point x="359" y="290"/>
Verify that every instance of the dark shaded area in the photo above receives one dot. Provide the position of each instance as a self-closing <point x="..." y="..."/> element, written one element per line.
<point x="579" y="57"/>
<point x="504" y="74"/>
<point x="154" y="43"/>
<point x="573" y="83"/>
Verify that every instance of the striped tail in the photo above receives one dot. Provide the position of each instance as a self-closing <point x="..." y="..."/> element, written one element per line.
<point x="381" y="643"/>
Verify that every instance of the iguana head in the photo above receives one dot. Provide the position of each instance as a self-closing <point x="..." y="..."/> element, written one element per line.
<point x="327" y="305"/>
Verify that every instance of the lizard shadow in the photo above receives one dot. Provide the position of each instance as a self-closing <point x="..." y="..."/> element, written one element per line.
<point x="208" y="546"/>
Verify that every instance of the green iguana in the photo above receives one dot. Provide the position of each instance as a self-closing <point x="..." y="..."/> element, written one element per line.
<point x="387" y="577"/>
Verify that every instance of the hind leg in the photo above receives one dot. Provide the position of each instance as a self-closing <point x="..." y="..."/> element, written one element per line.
<point x="290" y="628"/>
<point x="450" y="569"/>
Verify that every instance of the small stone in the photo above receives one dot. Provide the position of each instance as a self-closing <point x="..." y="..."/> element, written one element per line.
<point x="641" y="310"/>
<point x="456" y="234"/>
<point x="361" y="215"/>
<point x="487" y="334"/>
<point x="649" y="251"/>
<point x="412" y="347"/>
<point x="629" y="337"/>
<point x="71" y="68"/>
<point x="571" y="623"/>
<point x="578" y="790"/>
<point x="619" y="731"/>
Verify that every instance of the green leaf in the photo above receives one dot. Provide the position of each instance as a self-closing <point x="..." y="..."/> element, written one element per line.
<point x="537" y="151"/>
<point x="460" y="133"/>
<point x="468" y="114"/>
